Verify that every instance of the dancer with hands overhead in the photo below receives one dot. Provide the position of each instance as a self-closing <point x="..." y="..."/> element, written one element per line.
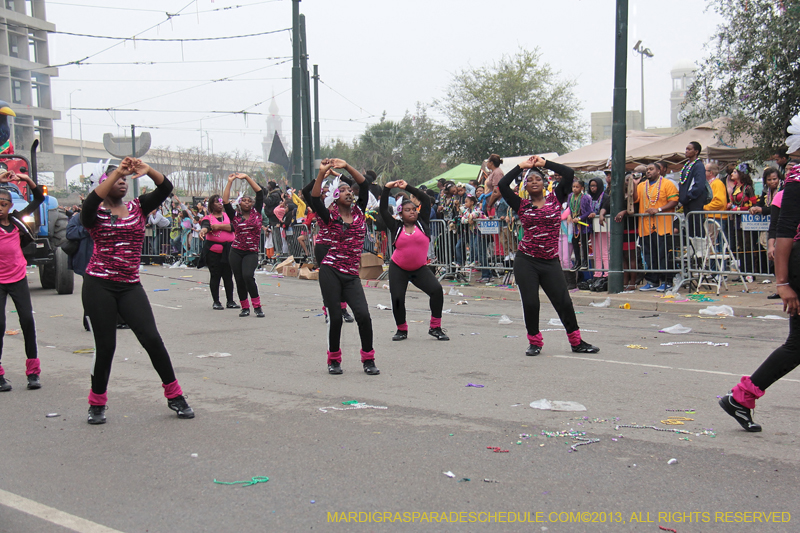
<point x="338" y="274"/>
<point x="411" y="236"/>
<point x="537" y="264"/>
<point x="243" y="257"/>
<point x="14" y="236"/>
<point x="111" y="283"/>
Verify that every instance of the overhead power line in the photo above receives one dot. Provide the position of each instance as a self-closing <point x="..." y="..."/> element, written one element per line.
<point x="170" y="40"/>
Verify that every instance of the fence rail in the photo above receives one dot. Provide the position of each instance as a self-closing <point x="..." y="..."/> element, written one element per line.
<point x="725" y="245"/>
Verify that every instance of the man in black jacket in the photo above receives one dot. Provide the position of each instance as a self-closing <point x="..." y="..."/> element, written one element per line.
<point x="272" y="201"/>
<point x="692" y="189"/>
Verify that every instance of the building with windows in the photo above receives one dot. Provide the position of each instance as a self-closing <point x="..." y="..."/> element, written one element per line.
<point x="683" y="76"/>
<point x="24" y="73"/>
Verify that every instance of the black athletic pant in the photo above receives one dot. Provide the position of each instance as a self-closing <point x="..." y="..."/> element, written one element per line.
<point x="424" y="280"/>
<point x="337" y="288"/>
<point x="22" y="301"/>
<point x="219" y="271"/>
<point x="580" y="245"/>
<point x="531" y="273"/>
<point x="320" y="251"/>
<point x="787" y="357"/>
<point x="243" y="265"/>
<point x="102" y="300"/>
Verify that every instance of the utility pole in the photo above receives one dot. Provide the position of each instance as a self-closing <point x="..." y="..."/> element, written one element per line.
<point x="615" y="275"/>
<point x="133" y="154"/>
<point x="308" y="156"/>
<point x="316" y="118"/>
<point x="297" y="83"/>
<point x="642" y="51"/>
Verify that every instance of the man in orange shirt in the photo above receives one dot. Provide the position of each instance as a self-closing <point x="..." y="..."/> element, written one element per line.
<point x="655" y="195"/>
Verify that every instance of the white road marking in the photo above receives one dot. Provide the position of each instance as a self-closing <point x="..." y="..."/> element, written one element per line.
<point x="166" y="306"/>
<point x="660" y="366"/>
<point x="51" y="514"/>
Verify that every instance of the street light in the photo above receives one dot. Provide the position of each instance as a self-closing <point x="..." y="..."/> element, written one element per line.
<point x="70" y="112"/>
<point x="642" y="51"/>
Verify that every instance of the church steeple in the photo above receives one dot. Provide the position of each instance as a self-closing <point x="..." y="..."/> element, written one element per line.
<point x="274" y="123"/>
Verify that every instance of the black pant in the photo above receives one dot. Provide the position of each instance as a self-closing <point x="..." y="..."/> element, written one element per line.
<point x="337" y="288"/>
<point x="424" y="280"/>
<point x="219" y="271"/>
<point x="243" y="265"/>
<point x="102" y="300"/>
<point x="22" y="301"/>
<point x="787" y="357"/>
<point x="580" y="245"/>
<point x="695" y="222"/>
<point x="532" y="273"/>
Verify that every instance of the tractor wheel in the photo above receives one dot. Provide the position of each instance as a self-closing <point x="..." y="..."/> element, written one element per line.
<point x="64" y="277"/>
<point x="47" y="275"/>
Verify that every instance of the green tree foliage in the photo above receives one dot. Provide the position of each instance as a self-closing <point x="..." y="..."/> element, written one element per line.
<point x="516" y="106"/>
<point x="753" y="71"/>
<point x="408" y="149"/>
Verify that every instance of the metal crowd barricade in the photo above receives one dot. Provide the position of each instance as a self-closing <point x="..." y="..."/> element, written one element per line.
<point x="660" y="251"/>
<point x="484" y="245"/>
<point x="157" y="246"/>
<point x="728" y="244"/>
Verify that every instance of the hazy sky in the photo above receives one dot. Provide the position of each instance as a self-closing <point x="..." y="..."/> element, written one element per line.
<point x="374" y="56"/>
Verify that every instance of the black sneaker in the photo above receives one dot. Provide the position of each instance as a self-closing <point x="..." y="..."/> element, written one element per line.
<point x="585" y="347"/>
<point x="97" y="414"/>
<point x="400" y="335"/>
<point x="439" y="333"/>
<point x="5" y="385"/>
<point x="370" y="368"/>
<point x="232" y="305"/>
<point x="245" y="312"/>
<point x="742" y="414"/>
<point x="33" y="382"/>
<point x="217" y="307"/>
<point x="533" y="350"/>
<point x="259" y="313"/>
<point x="179" y="405"/>
<point x="347" y="316"/>
<point x="335" y="367"/>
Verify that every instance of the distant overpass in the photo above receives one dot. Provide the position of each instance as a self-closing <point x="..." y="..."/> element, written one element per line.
<point x="68" y="154"/>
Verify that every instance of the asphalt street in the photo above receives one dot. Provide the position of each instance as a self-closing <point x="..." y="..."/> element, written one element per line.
<point x="260" y="413"/>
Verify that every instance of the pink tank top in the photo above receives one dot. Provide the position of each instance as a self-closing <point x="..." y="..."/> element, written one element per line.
<point x="12" y="262"/>
<point x="411" y="251"/>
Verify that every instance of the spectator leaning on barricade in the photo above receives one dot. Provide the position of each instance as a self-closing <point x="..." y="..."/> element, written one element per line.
<point x="742" y="199"/>
<point x="598" y="195"/>
<point x="692" y="190"/>
<point x="580" y="206"/>
<point x="655" y="195"/>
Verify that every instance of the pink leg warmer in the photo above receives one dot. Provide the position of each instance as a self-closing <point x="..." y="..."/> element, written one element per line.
<point x="574" y="337"/>
<point x="32" y="366"/>
<point x="536" y="340"/>
<point x="366" y="356"/>
<point x="402" y="327"/>
<point x="324" y="310"/>
<point x="172" y="390"/>
<point x="256" y="301"/>
<point x="746" y="393"/>
<point x="2" y="371"/>
<point x="245" y="303"/>
<point x="436" y="322"/>
<point x="98" y="399"/>
<point x="344" y="305"/>
<point x="335" y="356"/>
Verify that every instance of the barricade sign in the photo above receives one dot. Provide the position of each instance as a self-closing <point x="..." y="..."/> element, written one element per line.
<point x="755" y="222"/>
<point x="488" y="227"/>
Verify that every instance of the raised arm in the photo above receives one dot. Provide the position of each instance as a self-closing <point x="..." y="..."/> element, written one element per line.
<point x="38" y="195"/>
<point x="504" y="185"/>
<point x="385" y="210"/>
<point x="424" y="202"/>
<point x="316" y="192"/>
<point x="567" y="177"/>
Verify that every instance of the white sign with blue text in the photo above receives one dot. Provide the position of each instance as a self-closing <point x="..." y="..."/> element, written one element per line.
<point x="755" y="222"/>
<point x="489" y="227"/>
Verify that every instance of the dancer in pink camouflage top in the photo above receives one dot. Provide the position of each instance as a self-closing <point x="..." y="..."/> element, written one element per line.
<point x="338" y="274"/>
<point x="111" y="284"/>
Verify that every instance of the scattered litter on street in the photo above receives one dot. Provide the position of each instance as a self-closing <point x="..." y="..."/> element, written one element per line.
<point x="449" y="474"/>
<point x="556" y="405"/>
<point x="672" y="462"/>
<point x="724" y="310"/>
<point x="487" y="480"/>
<point x="12" y="332"/>
<point x="708" y="343"/>
<point x="382" y="307"/>
<point x="772" y="317"/>
<point x="496" y="449"/>
<point x="636" y="346"/>
<point x="555" y="322"/>
<point x="604" y="303"/>
<point x="253" y="481"/>
<point x="160" y="290"/>
<point x="504" y="320"/>
<point x="677" y="329"/>
<point x="84" y="350"/>
<point x="52" y="415"/>
<point x="477" y="386"/>
<point x="462" y="302"/>
<point x="214" y="354"/>
<point x="352" y="407"/>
